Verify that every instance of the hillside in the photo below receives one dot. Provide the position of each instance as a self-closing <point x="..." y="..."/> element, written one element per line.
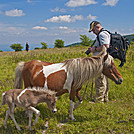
<point x="74" y="44"/>
<point x="113" y="117"/>
<point x="129" y="37"/>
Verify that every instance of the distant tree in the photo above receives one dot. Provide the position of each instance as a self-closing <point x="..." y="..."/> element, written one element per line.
<point x="44" y="45"/>
<point x="85" y="41"/>
<point x="36" y="48"/>
<point x="1" y="51"/>
<point x="59" y="43"/>
<point x="16" y="47"/>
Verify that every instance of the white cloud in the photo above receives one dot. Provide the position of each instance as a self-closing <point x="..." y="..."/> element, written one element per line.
<point x="63" y="10"/>
<point x="77" y="17"/>
<point x="91" y="17"/>
<point x="69" y="31"/>
<point x="12" y="28"/>
<point x="63" y="27"/>
<point x="29" y="1"/>
<point x="39" y="27"/>
<point x="58" y="10"/>
<point x="77" y="3"/>
<point x="55" y="9"/>
<point x="110" y="2"/>
<point x="14" y="13"/>
<point x="65" y="18"/>
<point x="1" y="12"/>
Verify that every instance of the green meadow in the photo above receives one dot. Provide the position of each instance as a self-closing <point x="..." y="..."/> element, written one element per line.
<point x="113" y="117"/>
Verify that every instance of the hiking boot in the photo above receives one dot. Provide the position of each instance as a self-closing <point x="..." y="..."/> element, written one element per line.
<point x="92" y="102"/>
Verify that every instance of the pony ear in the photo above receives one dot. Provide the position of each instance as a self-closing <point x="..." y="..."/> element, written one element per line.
<point x="105" y="57"/>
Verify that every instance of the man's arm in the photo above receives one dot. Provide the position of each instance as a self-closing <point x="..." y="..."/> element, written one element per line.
<point x="98" y="49"/>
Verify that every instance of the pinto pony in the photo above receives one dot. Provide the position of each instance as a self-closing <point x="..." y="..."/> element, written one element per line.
<point x="67" y="76"/>
<point x="28" y="99"/>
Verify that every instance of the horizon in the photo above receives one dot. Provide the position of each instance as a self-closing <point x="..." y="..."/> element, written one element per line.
<point x="36" y="21"/>
<point x="6" y="47"/>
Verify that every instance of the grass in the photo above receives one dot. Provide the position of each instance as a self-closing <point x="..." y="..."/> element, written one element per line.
<point x="114" y="117"/>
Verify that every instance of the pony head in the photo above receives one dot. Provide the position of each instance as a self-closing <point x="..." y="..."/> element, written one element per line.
<point x="110" y="70"/>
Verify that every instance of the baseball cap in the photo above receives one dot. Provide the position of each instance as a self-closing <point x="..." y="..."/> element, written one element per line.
<point x="92" y="25"/>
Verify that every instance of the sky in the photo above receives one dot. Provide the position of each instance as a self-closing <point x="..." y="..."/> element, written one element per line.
<point x="36" y="21"/>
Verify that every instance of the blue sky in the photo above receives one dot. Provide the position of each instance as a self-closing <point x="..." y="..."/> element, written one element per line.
<point x="35" y="21"/>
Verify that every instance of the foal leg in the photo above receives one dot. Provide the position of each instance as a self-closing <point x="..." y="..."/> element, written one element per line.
<point x="30" y="114"/>
<point x="37" y="112"/>
<point x="6" y="118"/>
<point x="11" y="113"/>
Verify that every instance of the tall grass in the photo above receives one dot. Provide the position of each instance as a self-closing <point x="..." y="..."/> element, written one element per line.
<point x="116" y="116"/>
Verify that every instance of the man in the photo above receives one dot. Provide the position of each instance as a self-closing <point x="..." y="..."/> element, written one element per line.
<point x="103" y="38"/>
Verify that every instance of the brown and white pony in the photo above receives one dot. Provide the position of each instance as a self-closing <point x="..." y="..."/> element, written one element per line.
<point x="67" y="76"/>
<point x="27" y="98"/>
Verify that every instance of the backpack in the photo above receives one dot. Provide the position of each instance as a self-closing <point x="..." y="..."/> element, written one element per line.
<point x="118" y="46"/>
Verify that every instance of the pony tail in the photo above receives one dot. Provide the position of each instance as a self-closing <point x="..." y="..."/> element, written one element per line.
<point x="18" y="76"/>
<point x="3" y="102"/>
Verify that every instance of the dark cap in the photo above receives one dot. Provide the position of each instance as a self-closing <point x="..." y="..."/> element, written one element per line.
<point x="92" y="25"/>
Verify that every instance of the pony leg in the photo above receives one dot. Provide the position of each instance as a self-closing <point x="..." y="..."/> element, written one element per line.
<point x="18" y="76"/>
<point x="72" y="97"/>
<point x="61" y="92"/>
<point x="79" y="98"/>
<point x="71" y="110"/>
<point x="77" y="104"/>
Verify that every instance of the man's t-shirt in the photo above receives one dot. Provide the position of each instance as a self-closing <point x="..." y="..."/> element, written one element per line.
<point x="104" y="38"/>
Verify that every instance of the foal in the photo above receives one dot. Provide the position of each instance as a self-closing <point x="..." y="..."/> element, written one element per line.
<point x="27" y="98"/>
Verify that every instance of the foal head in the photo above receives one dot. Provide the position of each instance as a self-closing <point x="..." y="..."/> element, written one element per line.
<point x="110" y="70"/>
<point x="51" y="103"/>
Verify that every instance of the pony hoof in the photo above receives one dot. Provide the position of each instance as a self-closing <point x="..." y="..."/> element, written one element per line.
<point x="30" y="129"/>
<point x="5" y="126"/>
<point x="34" y="123"/>
<point x="72" y="119"/>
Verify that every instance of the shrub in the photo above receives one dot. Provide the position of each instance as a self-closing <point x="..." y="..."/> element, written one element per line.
<point x="36" y="48"/>
<point x="16" y="47"/>
<point x="44" y="45"/>
<point x="59" y="43"/>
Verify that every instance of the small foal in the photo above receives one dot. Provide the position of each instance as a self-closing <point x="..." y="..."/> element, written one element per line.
<point x="27" y="98"/>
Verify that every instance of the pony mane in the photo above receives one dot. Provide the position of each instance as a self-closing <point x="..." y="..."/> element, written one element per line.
<point x="41" y="89"/>
<point x="85" y="69"/>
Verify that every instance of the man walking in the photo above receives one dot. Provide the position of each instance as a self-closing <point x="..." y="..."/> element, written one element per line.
<point x="103" y="38"/>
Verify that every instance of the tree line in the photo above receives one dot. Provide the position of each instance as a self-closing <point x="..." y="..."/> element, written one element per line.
<point x="85" y="41"/>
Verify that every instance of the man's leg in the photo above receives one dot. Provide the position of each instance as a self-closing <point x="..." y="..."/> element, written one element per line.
<point x="100" y="86"/>
<point x="107" y="89"/>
